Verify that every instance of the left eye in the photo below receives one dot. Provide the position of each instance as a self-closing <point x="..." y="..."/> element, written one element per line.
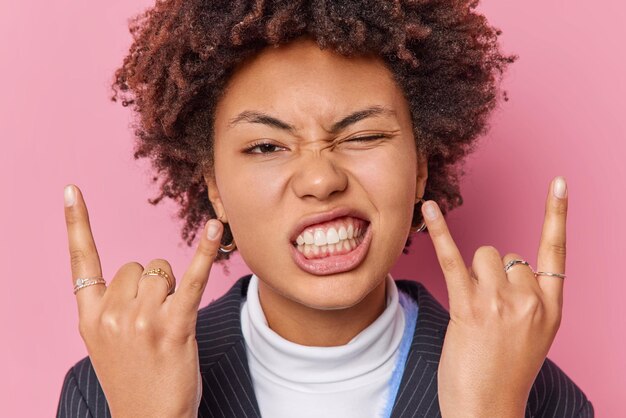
<point x="263" y="148"/>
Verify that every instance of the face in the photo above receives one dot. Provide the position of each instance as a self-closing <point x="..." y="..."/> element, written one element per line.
<point x="312" y="147"/>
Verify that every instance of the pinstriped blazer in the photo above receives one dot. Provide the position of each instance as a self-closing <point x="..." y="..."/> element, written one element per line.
<point x="227" y="389"/>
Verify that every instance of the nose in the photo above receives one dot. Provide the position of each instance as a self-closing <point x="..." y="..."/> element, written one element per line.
<point x="318" y="176"/>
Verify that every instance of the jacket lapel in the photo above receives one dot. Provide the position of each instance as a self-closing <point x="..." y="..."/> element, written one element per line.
<point x="417" y="394"/>
<point x="227" y="389"/>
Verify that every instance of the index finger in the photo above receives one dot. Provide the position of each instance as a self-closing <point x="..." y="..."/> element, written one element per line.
<point x="551" y="256"/>
<point x="188" y="295"/>
<point x="458" y="280"/>
<point x="84" y="258"/>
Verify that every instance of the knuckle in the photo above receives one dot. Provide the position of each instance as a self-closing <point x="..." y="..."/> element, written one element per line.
<point x="497" y="307"/>
<point x="533" y="306"/>
<point x="558" y="248"/>
<point x="559" y="207"/>
<point x="143" y="325"/>
<point x="437" y="230"/>
<point x="73" y="217"/>
<point x="160" y="262"/>
<point x="78" y="257"/>
<point x="195" y="287"/>
<point x="511" y="256"/>
<point x="131" y="266"/>
<point x="449" y="264"/>
<point x="485" y="251"/>
<point x="209" y="249"/>
<point x="111" y="322"/>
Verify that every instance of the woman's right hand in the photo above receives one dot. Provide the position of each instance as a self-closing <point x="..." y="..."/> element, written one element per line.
<point x="141" y="341"/>
<point x="502" y="324"/>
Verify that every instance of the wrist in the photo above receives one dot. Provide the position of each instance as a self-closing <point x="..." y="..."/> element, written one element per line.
<point x="468" y="404"/>
<point x="178" y="413"/>
<point x="472" y="409"/>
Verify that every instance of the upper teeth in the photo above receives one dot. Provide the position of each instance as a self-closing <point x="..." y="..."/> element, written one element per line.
<point x="331" y="236"/>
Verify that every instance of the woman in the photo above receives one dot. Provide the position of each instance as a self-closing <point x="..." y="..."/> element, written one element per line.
<point x="320" y="135"/>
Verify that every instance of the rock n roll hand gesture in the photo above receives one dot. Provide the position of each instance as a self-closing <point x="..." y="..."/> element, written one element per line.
<point x="502" y="324"/>
<point x="142" y="345"/>
<point x="141" y="341"/>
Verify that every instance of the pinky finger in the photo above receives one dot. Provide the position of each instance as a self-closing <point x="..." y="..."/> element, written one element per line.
<point x="551" y="254"/>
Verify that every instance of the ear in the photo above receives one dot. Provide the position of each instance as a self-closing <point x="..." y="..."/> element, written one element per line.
<point x="422" y="175"/>
<point x="214" y="196"/>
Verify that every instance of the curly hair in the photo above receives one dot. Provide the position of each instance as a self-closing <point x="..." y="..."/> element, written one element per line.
<point x="442" y="53"/>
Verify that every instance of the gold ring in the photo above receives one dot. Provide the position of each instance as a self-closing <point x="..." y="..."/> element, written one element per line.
<point x="162" y="273"/>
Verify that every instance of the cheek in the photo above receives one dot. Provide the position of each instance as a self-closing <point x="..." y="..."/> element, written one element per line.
<point x="389" y="179"/>
<point x="251" y="199"/>
<point x="390" y="183"/>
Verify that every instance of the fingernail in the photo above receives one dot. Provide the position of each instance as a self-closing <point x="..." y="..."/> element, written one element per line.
<point x="212" y="230"/>
<point x="431" y="210"/>
<point x="560" y="188"/>
<point x="69" y="195"/>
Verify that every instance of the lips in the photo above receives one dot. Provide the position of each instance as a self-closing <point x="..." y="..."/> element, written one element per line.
<point x="334" y="264"/>
<point x="331" y="264"/>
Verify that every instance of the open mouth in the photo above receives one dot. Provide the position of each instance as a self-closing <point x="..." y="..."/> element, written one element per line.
<point x="337" y="237"/>
<point x="328" y="249"/>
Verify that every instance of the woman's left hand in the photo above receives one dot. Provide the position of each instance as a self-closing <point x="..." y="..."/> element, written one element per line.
<point x="502" y="324"/>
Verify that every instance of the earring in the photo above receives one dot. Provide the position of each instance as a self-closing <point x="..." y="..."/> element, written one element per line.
<point x="225" y="249"/>
<point x="422" y="227"/>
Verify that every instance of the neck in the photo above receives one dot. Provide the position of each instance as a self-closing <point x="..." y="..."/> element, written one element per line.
<point x="304" y="325"/>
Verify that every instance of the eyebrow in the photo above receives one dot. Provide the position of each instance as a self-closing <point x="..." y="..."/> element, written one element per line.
<point x="250" y="116"/>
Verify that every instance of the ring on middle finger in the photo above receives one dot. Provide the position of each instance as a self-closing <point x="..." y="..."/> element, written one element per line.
<point x="162" y="273"/>
<point x="513" y="262"/>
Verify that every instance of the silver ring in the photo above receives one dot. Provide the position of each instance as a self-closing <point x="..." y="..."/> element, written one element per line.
<point x="82" y="282"/>
<point x="545" y="273"/>
<point x="511" y="263"/>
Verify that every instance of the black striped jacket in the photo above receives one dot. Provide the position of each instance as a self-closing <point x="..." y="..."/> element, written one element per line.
<point x="227" y="386"/>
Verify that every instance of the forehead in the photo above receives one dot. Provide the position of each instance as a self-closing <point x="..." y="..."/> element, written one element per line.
<point x="300" y="77"/>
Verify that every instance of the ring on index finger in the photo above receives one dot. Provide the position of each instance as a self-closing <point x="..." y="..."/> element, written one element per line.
<point x="162" y="273"/>
<point x="83" y="282"/>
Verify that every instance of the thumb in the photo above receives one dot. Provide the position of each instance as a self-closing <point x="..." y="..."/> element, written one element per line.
<point x="191" y="288"/>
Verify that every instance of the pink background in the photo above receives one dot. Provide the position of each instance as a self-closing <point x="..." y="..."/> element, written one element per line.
<point x="566" y="116"/>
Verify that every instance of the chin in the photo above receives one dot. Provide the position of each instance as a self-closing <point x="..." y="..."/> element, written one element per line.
<point x="333" y="292"/>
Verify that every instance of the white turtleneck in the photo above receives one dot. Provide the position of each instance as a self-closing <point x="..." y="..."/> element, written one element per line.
<point x="351" y="380"/>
